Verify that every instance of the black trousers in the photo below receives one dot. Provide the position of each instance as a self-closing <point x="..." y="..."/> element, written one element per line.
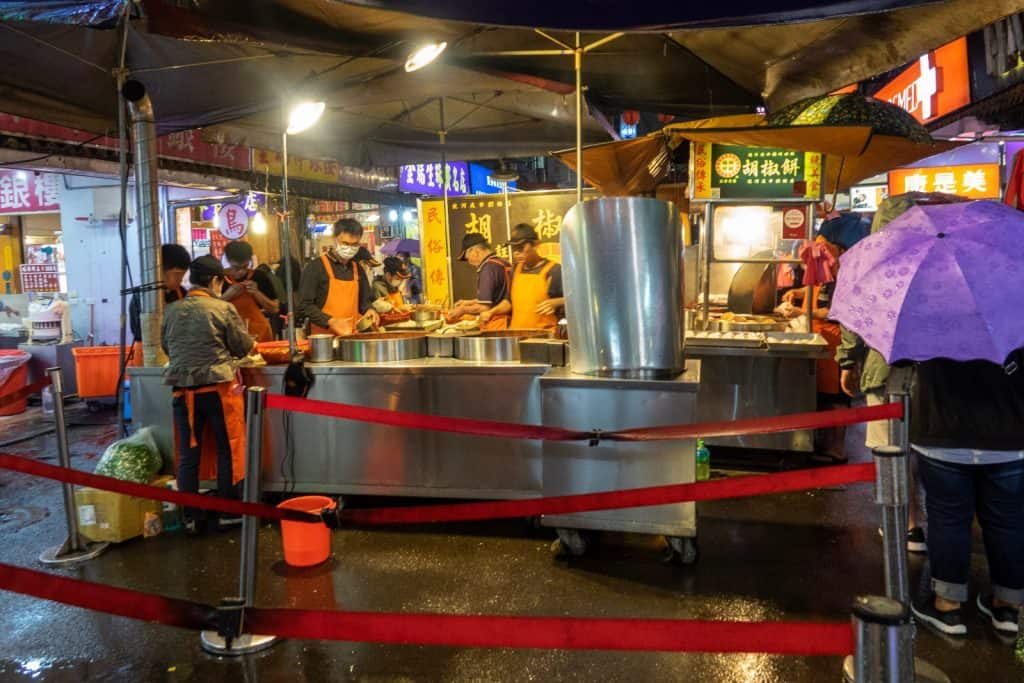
<point x="208" y="413"/>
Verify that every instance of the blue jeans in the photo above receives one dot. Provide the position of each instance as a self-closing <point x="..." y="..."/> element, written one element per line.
<point x="954" y="493"/>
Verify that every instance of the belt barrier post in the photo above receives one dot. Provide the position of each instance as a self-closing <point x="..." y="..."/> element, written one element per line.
<point x="231" y="638"/>
<point x="75" y="548"/>
<point x="891" y="492"/>
<point x="884" y="639"/>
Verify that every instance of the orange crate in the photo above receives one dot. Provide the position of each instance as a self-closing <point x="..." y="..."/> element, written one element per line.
<point x="97" y="370"/>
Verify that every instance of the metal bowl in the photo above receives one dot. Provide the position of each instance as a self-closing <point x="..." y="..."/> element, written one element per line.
<point x="422" y="315"/>
<point x="382" y="347"/>
<point x="495" y="346"/>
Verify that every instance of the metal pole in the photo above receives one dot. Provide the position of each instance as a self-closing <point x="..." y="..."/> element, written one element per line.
<point x="286" y="244"/>
<point x="578" y="63"/>
<point x="891" y="492"/>
<point x="707" y="235"/>
<point x="884" y="639"/>
<point x="231" y="641"/>
<point x="122" y="225"/>
<point x="74" y="548"/>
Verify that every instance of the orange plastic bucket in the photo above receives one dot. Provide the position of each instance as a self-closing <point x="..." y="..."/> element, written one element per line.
<point x="15" y="381"/>
<point x="306" y="543"/>
<point x="97" y="369"/>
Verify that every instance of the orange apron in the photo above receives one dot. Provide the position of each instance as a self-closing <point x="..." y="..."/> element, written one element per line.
<point x="498" y="322"/>
<point x="232" y="402"/>
<point x="342" y="296"/>
<point x="396" y="299"/>
<point x="528" y="291"/>
<point x="245" y="304"/>
<point x="828" y="368"/>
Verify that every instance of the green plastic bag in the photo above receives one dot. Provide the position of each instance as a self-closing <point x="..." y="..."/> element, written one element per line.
<point x="133" y="459"/>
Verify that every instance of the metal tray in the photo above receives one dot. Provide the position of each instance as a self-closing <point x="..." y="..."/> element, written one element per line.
<point x="382" y="347"/>
<point x="794" y="341"/>
<point x="751" y="343"/>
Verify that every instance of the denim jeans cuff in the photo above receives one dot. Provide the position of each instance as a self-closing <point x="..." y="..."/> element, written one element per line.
<point x="1014" y="596"/>
<point x="954" y="592"/>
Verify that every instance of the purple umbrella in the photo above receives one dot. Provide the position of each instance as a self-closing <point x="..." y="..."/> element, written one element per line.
<point x="941" y="281"/>
<point x="393" y="247"/>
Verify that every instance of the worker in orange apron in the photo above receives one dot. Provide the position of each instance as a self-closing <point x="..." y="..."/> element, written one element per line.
<point x="250" y="291"/>
<point x="388" y="286"/>
<point x="335" y="291"/>
<point x="204" y="338"/>
<point x="492" y="284"/>
<point x="536" y="299"/>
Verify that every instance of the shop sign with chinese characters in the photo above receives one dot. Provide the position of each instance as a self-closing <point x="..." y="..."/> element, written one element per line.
<point x="426" y="179"/>
<point x="978" y="181"/>
<point x="29" y="192"/>
<point x="321" y="170"/>
<point x="434" y="251"/>
<point x="43" y="277"/>
<point x="729" y="172"/>
<point x="232" y="221"/>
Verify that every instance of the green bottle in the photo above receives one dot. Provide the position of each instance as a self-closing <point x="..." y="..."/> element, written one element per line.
<point x="703" y="461"/>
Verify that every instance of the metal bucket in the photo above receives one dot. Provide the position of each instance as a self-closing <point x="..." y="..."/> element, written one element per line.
<point x="321" y="348"/>
<point x="622" y="270"/>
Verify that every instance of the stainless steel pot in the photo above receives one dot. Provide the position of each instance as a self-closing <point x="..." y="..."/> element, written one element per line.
<point x="321" y="348"/>
<point x="383" y="347"/>
<point x="421" y="315"/>
<point x="495" y="346"/>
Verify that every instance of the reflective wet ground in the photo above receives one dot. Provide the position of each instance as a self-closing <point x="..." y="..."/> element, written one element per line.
<point x="800" y="556"/>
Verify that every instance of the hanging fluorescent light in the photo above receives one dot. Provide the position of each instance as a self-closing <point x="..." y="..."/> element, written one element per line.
<point x="424" y="55"/>
<point x="304" y="115"/>
<point x="259" y="224"/>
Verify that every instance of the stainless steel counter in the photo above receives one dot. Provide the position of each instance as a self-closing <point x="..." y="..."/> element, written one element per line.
<point x="739" y="383"/>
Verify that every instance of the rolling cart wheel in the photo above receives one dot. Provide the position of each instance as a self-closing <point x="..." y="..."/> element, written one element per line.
<point x="570" y="543"/>
<point x="680" y="551"/>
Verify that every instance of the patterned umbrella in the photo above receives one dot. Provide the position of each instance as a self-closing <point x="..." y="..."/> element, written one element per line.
<point x="851" y="109"/>
<point x="940" y="281"/>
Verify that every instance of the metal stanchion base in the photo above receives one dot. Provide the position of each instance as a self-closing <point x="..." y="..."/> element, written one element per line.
<point x="62" y="554"/>
<point x="923" y="672"/>
<point x="244" y="644"/>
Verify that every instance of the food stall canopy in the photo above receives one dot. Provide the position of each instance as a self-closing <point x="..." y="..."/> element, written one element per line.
<point x="225" y="65"/>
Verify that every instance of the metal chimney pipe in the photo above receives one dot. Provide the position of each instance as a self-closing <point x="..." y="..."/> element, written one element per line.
<point x="147" y="217"/>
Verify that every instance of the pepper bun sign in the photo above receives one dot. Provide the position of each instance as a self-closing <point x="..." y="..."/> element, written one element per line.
<point x="734" y="172"/>
<point x="232" y="221"/>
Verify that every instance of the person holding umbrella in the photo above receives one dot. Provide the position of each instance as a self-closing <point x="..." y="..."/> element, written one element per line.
<point x="940" y="287"/>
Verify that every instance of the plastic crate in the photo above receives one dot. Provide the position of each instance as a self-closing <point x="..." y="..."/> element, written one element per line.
<point x="97" y="369"/>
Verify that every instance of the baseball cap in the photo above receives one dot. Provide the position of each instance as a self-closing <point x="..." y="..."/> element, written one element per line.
<point x="395" y="266"/>
<point x="471" y="240"/>
<point x="206" y="266"/>
<point x="523" y="233"/>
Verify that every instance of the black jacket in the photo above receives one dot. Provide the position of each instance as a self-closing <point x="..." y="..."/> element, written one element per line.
<point x="973" y="404"/>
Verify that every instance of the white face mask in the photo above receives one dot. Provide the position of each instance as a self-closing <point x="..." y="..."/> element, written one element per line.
<point x="347" y="252"/>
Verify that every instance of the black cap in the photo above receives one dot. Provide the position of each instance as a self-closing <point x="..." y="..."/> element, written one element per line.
<point x="523" y="233"/>
<point x="364" y="256"/>
<point x="206" y="267"/>
<point x="470" y="240"/>
<point x="395" y="266"/>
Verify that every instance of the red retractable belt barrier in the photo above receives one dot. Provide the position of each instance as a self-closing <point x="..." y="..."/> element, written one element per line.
<point x="737" y="487"/>
<point x="130" y="488"/>
<point x="461" y="425"/>
<point x="24" y="392"/>
<point x="572" y="633"/>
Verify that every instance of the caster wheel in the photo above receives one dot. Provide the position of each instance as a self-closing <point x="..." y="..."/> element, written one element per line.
<point x="571" y="543"/>
<point x="680" y="551"/>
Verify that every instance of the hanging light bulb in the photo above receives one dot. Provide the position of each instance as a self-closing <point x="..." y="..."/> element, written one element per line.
<point x="303" y="115"/>
<point x="424" y="55"/>
<point x="259" y="224"/>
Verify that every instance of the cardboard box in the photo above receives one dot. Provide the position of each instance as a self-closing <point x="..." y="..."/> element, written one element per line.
<point x="114" y="517"/>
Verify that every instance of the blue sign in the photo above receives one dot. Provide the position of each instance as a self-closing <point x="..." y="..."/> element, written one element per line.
<point x="482" y="182"/>
<point x="426" y="179"/>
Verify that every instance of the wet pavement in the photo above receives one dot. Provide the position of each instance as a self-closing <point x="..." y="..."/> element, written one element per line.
<point x="801" y="556"/>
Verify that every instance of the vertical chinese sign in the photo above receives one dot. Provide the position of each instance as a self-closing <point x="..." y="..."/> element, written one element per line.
<point x="434" y="250"/>
<point x="733" y="172"/>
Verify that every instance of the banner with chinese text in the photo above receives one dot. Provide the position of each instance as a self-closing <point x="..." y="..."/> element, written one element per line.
<point x="974" y="181"/>
<point x="434" y="251"/>
<point x="29" y="192"/>
<point x="321" y="170"/>
<point x="731" y="172"/>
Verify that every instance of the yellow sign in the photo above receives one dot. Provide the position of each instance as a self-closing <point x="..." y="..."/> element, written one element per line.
<point x="434" y="250"/>
<point x="309" y="169"/>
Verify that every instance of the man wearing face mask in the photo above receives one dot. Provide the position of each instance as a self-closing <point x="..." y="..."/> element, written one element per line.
<point x="388" y="286"/>
<point x="204" y="338"/>
<point x="335" y="292"/>
<point x="492" y="278"/>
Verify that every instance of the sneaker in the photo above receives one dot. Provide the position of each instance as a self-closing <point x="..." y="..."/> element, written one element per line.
<point x="916" y="541"/>
<point x="951" y="623"/>
<point x="195" y="527"/>
<point x="1005" y="619"/>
